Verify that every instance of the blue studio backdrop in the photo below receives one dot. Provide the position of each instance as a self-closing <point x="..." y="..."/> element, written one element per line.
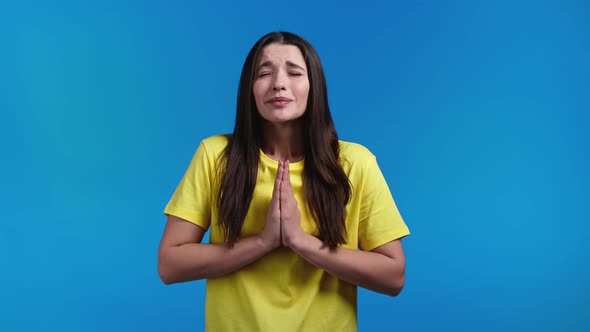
<point x="477" y="112"/>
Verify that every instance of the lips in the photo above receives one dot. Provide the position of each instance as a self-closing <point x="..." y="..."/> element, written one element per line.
<point x="279" y="101"/>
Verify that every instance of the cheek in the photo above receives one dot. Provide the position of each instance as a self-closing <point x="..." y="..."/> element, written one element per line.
<point x="258" y="91"/>
<point x="303" y="91"/>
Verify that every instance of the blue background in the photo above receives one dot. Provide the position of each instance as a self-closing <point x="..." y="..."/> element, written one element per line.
<point x="477" y="112"/>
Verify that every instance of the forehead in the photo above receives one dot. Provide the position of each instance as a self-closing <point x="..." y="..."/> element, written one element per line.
<point x="281" y="53"/>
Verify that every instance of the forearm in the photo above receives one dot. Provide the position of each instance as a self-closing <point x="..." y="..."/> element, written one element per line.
<point x="367" y="269"/>
<point x="193" y="261"/>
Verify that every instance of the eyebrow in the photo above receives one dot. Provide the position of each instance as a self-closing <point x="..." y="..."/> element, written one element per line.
<point x="269" y="63"/>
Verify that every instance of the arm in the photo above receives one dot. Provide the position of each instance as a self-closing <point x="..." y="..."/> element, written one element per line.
<point x="381" y="269"/>
<point x="182" y="256"/>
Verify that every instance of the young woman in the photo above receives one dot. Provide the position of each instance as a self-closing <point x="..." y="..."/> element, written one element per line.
<point x="288" y="206"/>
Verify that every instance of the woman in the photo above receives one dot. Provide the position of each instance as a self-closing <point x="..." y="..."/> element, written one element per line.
<point x="288" y="205"/>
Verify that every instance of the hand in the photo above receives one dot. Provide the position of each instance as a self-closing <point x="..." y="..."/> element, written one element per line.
<point x="290" y="215"/>
<point x="271" y="234"/>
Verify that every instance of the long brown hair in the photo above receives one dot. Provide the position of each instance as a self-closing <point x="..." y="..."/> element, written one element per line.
<point x="326" y="186"/>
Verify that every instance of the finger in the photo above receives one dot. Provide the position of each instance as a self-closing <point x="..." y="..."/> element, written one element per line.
<point x="288" y="173"/>
<point x="287" y="196"/>
<point x="290" y="191"/>
<point x="284" y="183"/>
<point x="283" y="179"/>
<point x="287" y="178"/>
<point x="278" y="180"/>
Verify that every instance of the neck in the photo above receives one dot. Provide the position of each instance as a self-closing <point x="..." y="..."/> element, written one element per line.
<point x="283" y="141"/>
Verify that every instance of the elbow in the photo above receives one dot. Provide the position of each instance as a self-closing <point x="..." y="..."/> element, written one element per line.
<point x="165" y="275"/>
<point x="172" y="271"/>
<point x="164" y="271"/>
<point x="396" y="286"/>
<point x="394" y="291"/>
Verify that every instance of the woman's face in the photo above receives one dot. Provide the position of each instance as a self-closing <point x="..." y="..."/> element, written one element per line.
<point x="281" y="84"/>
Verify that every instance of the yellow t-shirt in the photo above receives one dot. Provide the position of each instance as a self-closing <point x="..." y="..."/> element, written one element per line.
<point x="282" y="291"/>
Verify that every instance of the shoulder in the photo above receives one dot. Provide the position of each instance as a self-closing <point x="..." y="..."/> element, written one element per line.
<point x="354" y="153"/>
<point x="214" y="145"/>
<point x="210" y="149"/>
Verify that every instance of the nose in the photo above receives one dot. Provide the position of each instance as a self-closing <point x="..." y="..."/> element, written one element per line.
<point x="278" y="87"/>
<point x="279" y="82"/>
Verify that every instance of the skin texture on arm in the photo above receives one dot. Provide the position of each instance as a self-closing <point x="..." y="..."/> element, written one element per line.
<point x="182" y="256"/>
<point x="381" y="269"/>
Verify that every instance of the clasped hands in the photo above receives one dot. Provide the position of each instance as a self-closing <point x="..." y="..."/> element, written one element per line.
<point x="283" y="220"/>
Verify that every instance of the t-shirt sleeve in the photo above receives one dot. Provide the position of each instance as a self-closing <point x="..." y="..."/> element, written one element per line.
<point x="192" y="198"/>
<point x="380" y="221"/>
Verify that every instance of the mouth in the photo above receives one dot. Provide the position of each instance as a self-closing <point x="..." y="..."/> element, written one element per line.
<point x="279" y="101"/>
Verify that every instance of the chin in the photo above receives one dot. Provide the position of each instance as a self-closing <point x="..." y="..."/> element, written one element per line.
<point x="281" y="118"/>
